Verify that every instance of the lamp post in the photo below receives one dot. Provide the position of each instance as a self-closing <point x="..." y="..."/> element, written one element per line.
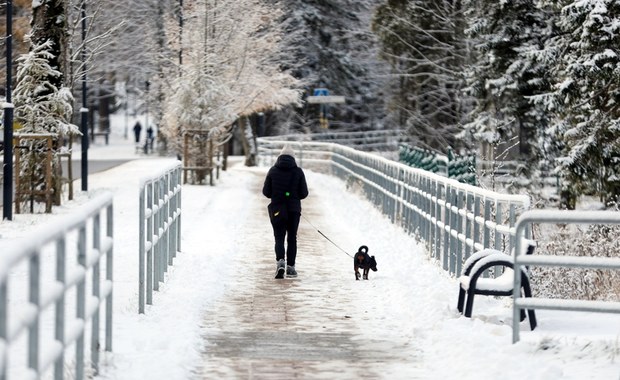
<point x="146" y="121"/>
<point x="7" y="185"/>
<point x="84" y="109"/>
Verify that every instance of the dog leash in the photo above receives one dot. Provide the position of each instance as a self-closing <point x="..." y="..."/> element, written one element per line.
<point x="322" y="234"/>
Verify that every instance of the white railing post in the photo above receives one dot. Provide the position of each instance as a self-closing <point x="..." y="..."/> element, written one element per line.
<point x="159" y="229"/>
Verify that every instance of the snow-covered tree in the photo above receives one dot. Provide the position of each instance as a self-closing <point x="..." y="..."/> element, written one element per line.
<point x="424" y="44"/>
<point x="329" y="44"/>
<point x="504" y="74"/>
<point x="42" y="107"/>
<point x="230" y="70"/>
<point x="43" y="103"/>
<point x="584" y="100"/>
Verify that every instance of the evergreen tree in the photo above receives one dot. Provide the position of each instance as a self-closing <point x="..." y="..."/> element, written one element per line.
<point x="43" y="103"/>
<point x="41" y="108"/>
<point x="505" y="74"/>
<point x="585" y="99"/>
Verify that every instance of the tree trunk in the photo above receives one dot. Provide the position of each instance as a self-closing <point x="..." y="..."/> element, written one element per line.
<point x="49" y="23"/>
<point x="247" y="141"/>
<point x="105" y="95"/>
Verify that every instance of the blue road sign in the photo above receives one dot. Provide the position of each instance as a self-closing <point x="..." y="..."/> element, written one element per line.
<point x="321" y="92"/>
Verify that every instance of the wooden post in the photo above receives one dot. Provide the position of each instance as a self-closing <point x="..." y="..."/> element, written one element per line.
<point x="185" y="156"/>
<point x="48" y="176"/>
<point x="48" y="191"/>
<point x="210" y="161"/>
<point x="17" y="176"/>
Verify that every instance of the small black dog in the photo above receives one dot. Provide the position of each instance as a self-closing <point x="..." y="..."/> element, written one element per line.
<point x="362" y="260"/>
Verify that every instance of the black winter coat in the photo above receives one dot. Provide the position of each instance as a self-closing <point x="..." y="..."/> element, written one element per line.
<point x="286" y="177"/>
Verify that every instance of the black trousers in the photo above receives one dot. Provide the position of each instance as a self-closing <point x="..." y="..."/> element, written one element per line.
<point x="287" y="231"/>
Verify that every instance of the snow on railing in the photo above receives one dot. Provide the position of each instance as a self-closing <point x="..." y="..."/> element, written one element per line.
<point x="524" y="224"/>
<point x="36" y="298"/>
<point x="159" y="230"/>
<point x="452" y="218"/>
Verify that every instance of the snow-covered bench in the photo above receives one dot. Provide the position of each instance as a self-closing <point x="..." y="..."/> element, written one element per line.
<point x="471" y="282"/>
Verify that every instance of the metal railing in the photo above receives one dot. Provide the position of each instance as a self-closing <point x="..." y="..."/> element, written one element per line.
<point x="62" y="259"/>
<point x="524" y="224"/>
<point x="452" y="218"/>
<point x="159" y="231"/>
<point x="376" y="140"/>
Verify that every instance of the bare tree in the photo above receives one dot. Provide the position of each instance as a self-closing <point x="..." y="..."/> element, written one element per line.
<point x="230" y="70"/>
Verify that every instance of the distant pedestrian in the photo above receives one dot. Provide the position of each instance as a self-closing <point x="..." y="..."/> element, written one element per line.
<point x="137" y="128"/>
<point x="149" y="137"/>
<point x="286" y="186"/>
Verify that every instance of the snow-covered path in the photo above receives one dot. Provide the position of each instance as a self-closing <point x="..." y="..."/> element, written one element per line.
<point x="314" y="326"/>
<point x="222" y="315"/>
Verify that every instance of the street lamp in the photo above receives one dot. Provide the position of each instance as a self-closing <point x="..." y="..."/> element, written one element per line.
<point x="84" y="109"/>
<point x="7" y="184"/>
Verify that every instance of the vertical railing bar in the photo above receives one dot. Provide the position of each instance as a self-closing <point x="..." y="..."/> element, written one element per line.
<point x="34" y="276"/>
<point x="439" y="217"/>
<point x="59" y="328"/>
<point x="141" y="251"/>
<point x="453" y="220"/>
<point x="498" y="235"/>
<point x="460" y="229"/>
<point x="96" y="284"/>
<point x="81" y="303"/>
<point x="109" y="277"/>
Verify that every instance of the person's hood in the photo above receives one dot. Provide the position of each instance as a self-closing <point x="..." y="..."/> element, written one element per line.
<point x="285" y="162"/>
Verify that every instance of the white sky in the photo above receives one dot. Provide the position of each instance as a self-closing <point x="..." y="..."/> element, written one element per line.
<point x="410" y="301"/>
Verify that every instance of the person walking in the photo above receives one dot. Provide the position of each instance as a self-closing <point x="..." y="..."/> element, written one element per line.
<point x="286" y="186"/>
<point x="137" y="128"/>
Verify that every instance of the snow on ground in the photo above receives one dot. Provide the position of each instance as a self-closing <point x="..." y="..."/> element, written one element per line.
<point x="412" y="297"/>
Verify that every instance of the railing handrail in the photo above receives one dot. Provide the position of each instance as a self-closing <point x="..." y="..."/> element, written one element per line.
<point x="454" y="219"/>
<point x="159" y="229"/>
<point x="560" y="217"/>
<point x="90" y="248"/>
<point x="376" y="139"/>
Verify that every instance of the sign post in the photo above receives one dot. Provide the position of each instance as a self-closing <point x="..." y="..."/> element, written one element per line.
<point x="321" y="96"/>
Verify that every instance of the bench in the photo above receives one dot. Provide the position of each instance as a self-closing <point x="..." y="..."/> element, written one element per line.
<point x="471" y="282"/>
<point x="105" y="134"/>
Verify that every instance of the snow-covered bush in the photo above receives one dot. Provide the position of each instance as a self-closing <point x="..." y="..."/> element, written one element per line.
<point x="575" y="283"/>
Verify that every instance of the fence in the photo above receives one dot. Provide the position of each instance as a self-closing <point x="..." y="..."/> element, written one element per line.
<point x="523" y="225"/>
<point x="377" y="140"/>
<point x="76" y="244"/>
<point x="453" y="219"/>
<point x="159" y="230"/>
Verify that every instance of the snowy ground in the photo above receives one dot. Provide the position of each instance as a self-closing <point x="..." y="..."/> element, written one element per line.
<point x="413" y="298"/>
